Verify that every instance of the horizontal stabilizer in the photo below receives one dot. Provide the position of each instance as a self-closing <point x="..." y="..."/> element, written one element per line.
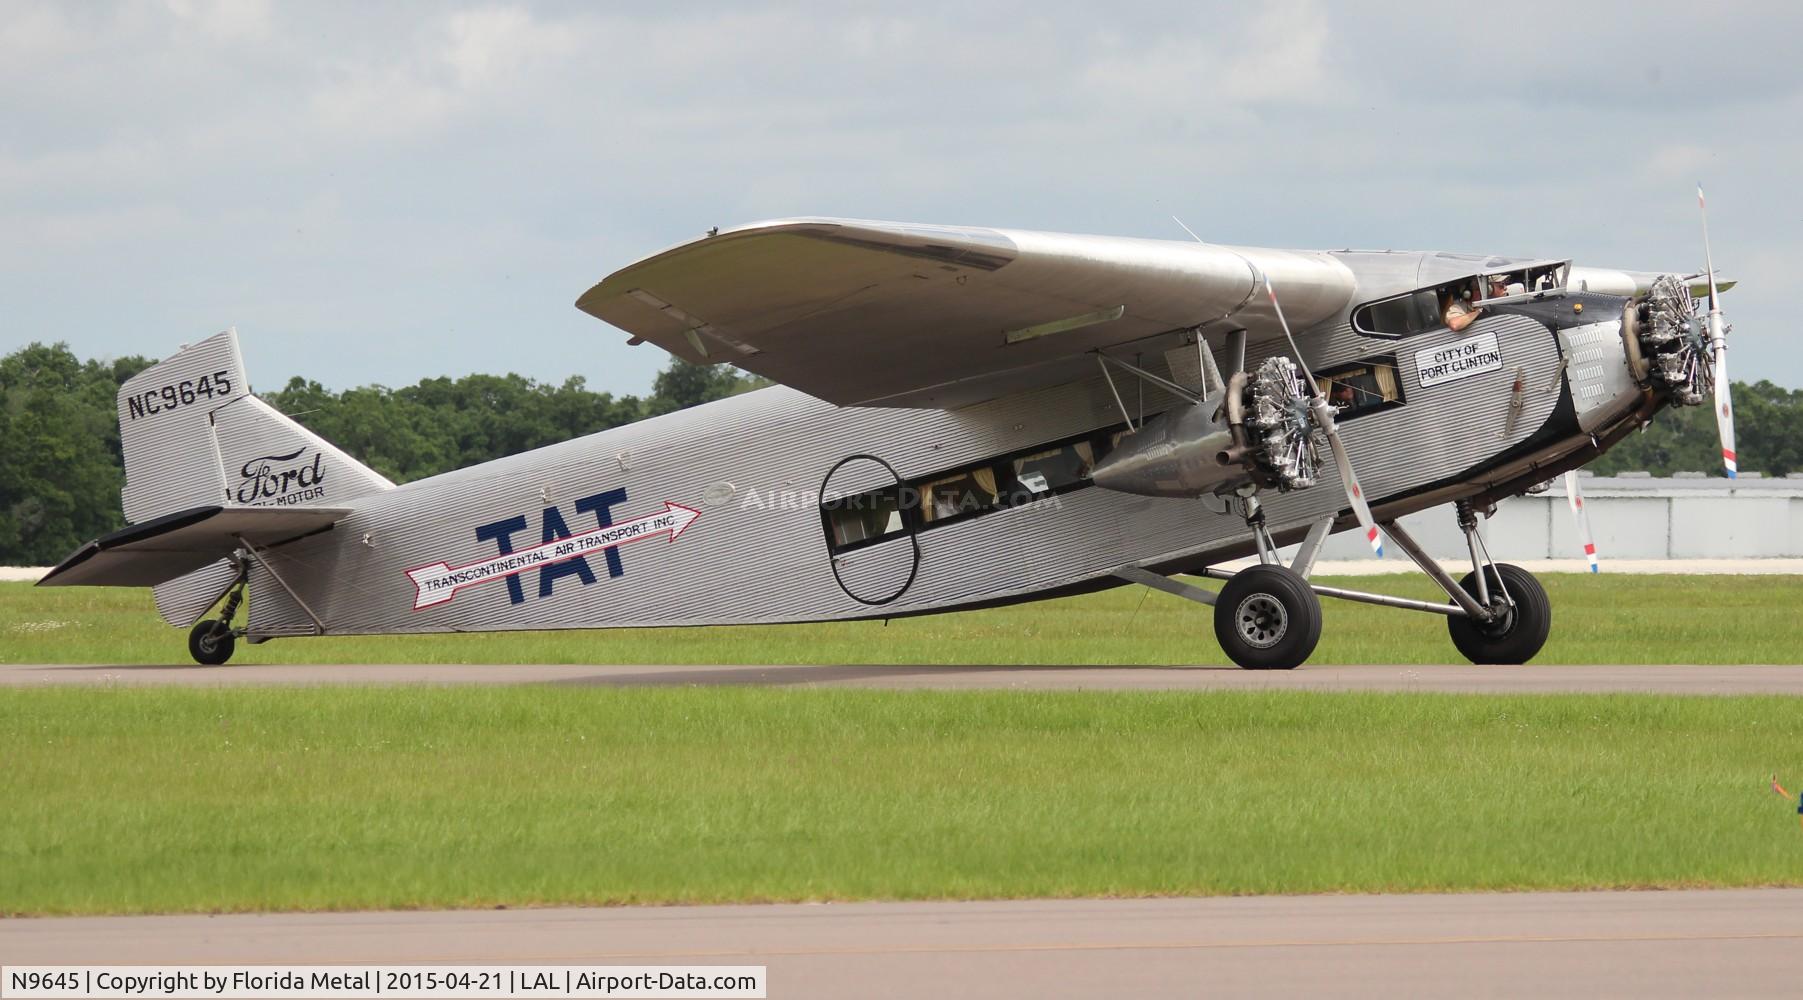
<point x="147" y="554"/>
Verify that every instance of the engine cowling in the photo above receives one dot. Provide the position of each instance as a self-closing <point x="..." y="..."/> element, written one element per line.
<point x="1255" y="431"/>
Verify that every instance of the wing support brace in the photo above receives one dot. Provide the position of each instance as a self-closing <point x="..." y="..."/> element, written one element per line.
<point x="1467" y="604"/>
<point x="1304" y="563"/>
<point x="1158" y="581"/>
<point x="319" y="627"/>
<point x="1104" y="360"/>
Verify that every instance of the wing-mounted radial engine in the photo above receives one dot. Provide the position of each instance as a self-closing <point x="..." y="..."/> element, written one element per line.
<point x="1257" y="431"/>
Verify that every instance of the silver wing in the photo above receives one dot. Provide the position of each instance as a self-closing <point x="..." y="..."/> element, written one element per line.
<point x="892" y="314"/>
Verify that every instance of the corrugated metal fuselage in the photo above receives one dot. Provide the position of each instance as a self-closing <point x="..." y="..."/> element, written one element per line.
<point x="754" y="467"/>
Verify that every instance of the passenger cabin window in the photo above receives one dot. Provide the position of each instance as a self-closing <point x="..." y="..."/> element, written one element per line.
<point x="865" y="517"/>
<point x="969" y="491"/>
<point x="994" y="484"/>
<point x="1043" y="473"/>
<point x="1365" y="387"/>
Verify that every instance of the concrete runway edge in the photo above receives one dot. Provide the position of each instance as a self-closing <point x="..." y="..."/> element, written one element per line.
<point x="1740" y="943"/>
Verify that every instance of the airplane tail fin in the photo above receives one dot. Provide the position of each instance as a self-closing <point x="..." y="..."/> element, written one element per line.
<point x="194" y="436"/>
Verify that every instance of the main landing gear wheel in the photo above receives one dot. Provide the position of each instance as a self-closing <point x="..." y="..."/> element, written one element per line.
<point x="210" y="642"/>
<point x="1518" y="632"/>
<point x="1267" y="618"/>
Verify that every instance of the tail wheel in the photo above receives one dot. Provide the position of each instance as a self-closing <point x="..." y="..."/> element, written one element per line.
<point x="1519" y="629"/>
<point x="210" y="642"/>
<point x="1267" y="618"/>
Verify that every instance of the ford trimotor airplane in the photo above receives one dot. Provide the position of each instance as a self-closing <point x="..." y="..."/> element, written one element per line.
<point x="963" y="417"/>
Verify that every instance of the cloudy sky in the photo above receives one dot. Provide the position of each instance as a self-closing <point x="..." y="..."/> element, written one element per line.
<point x="378" y="193"/>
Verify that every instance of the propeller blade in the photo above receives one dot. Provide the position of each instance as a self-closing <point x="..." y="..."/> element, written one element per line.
<point x="1323" y="414"/>
<point x="1724" y="413"/>
<point x="1295" y="352"/>
<point x="1354" y="492"/>
<point x="1718" y="348"/>
<point x="1575" y="497"/>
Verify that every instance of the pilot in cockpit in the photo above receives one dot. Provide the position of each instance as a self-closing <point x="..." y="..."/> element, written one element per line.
<point x="1455" y="311"/>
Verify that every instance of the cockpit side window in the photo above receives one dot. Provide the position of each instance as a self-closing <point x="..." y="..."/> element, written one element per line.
<point x="1400" y="315"/>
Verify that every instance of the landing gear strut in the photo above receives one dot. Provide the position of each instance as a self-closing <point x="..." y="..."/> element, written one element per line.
<point x="212" y="640"/>
<point x="1520" y="616"/>
<point x="1522" y="620"/>
<point x="1268" y="617"/>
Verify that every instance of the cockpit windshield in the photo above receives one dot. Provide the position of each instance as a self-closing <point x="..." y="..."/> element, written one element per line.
<point x="1449" y="303"/>
<point x="1535" y="280"/>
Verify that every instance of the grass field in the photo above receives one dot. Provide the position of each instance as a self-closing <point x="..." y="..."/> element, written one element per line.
<point x="165" y="799"/>
<point x="1596" y="619"/>
<point x="135" y="800"/>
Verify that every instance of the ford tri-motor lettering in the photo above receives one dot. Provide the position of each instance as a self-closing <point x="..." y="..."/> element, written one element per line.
<point x="280" y="480"/>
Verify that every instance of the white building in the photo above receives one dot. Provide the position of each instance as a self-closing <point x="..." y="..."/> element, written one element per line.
<point x="1634" y="516"/>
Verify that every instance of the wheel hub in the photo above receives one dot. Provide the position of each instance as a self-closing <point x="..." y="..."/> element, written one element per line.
<point x="1261" y="621"/>
<point x="1502" y="616"/>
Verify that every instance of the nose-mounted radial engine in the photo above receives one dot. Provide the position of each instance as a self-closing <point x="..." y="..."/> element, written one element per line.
<point x="1671" y="348"/>
<point x="1664" y="343"/>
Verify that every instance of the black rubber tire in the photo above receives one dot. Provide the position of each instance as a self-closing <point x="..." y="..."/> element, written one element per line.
<point x="1267" y="618"/>
<point x="1518" y="636"/>
<point x="211" y="643"/>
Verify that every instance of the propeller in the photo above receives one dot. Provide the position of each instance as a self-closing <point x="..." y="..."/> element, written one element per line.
<point x="1718" y="348"/>
<point x="1574" y="495"/>
<point x="1322" y="412"/>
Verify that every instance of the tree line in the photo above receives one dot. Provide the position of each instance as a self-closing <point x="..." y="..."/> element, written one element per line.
<point x="61" y="469"/>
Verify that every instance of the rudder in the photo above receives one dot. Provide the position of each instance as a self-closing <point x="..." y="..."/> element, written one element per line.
<point x="193" y="436"/>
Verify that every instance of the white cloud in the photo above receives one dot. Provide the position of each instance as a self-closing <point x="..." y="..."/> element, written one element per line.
<point x="1283" y="57"/>
<point x="380" y="103"/>
<point x="225" y="20"/>
<point x="488" y="46"/>
<point x="380" y="192"/>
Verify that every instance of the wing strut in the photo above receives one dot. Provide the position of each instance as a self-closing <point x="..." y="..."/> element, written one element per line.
<point x="1166" y="384"/>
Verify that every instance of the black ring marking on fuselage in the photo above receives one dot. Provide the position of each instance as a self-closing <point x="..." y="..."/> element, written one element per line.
<point x="907" y="524"/>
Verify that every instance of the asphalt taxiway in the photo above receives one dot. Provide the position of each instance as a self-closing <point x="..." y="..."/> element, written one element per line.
<point x="1742" y="943"/>
<point x="1461" y="678"/>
